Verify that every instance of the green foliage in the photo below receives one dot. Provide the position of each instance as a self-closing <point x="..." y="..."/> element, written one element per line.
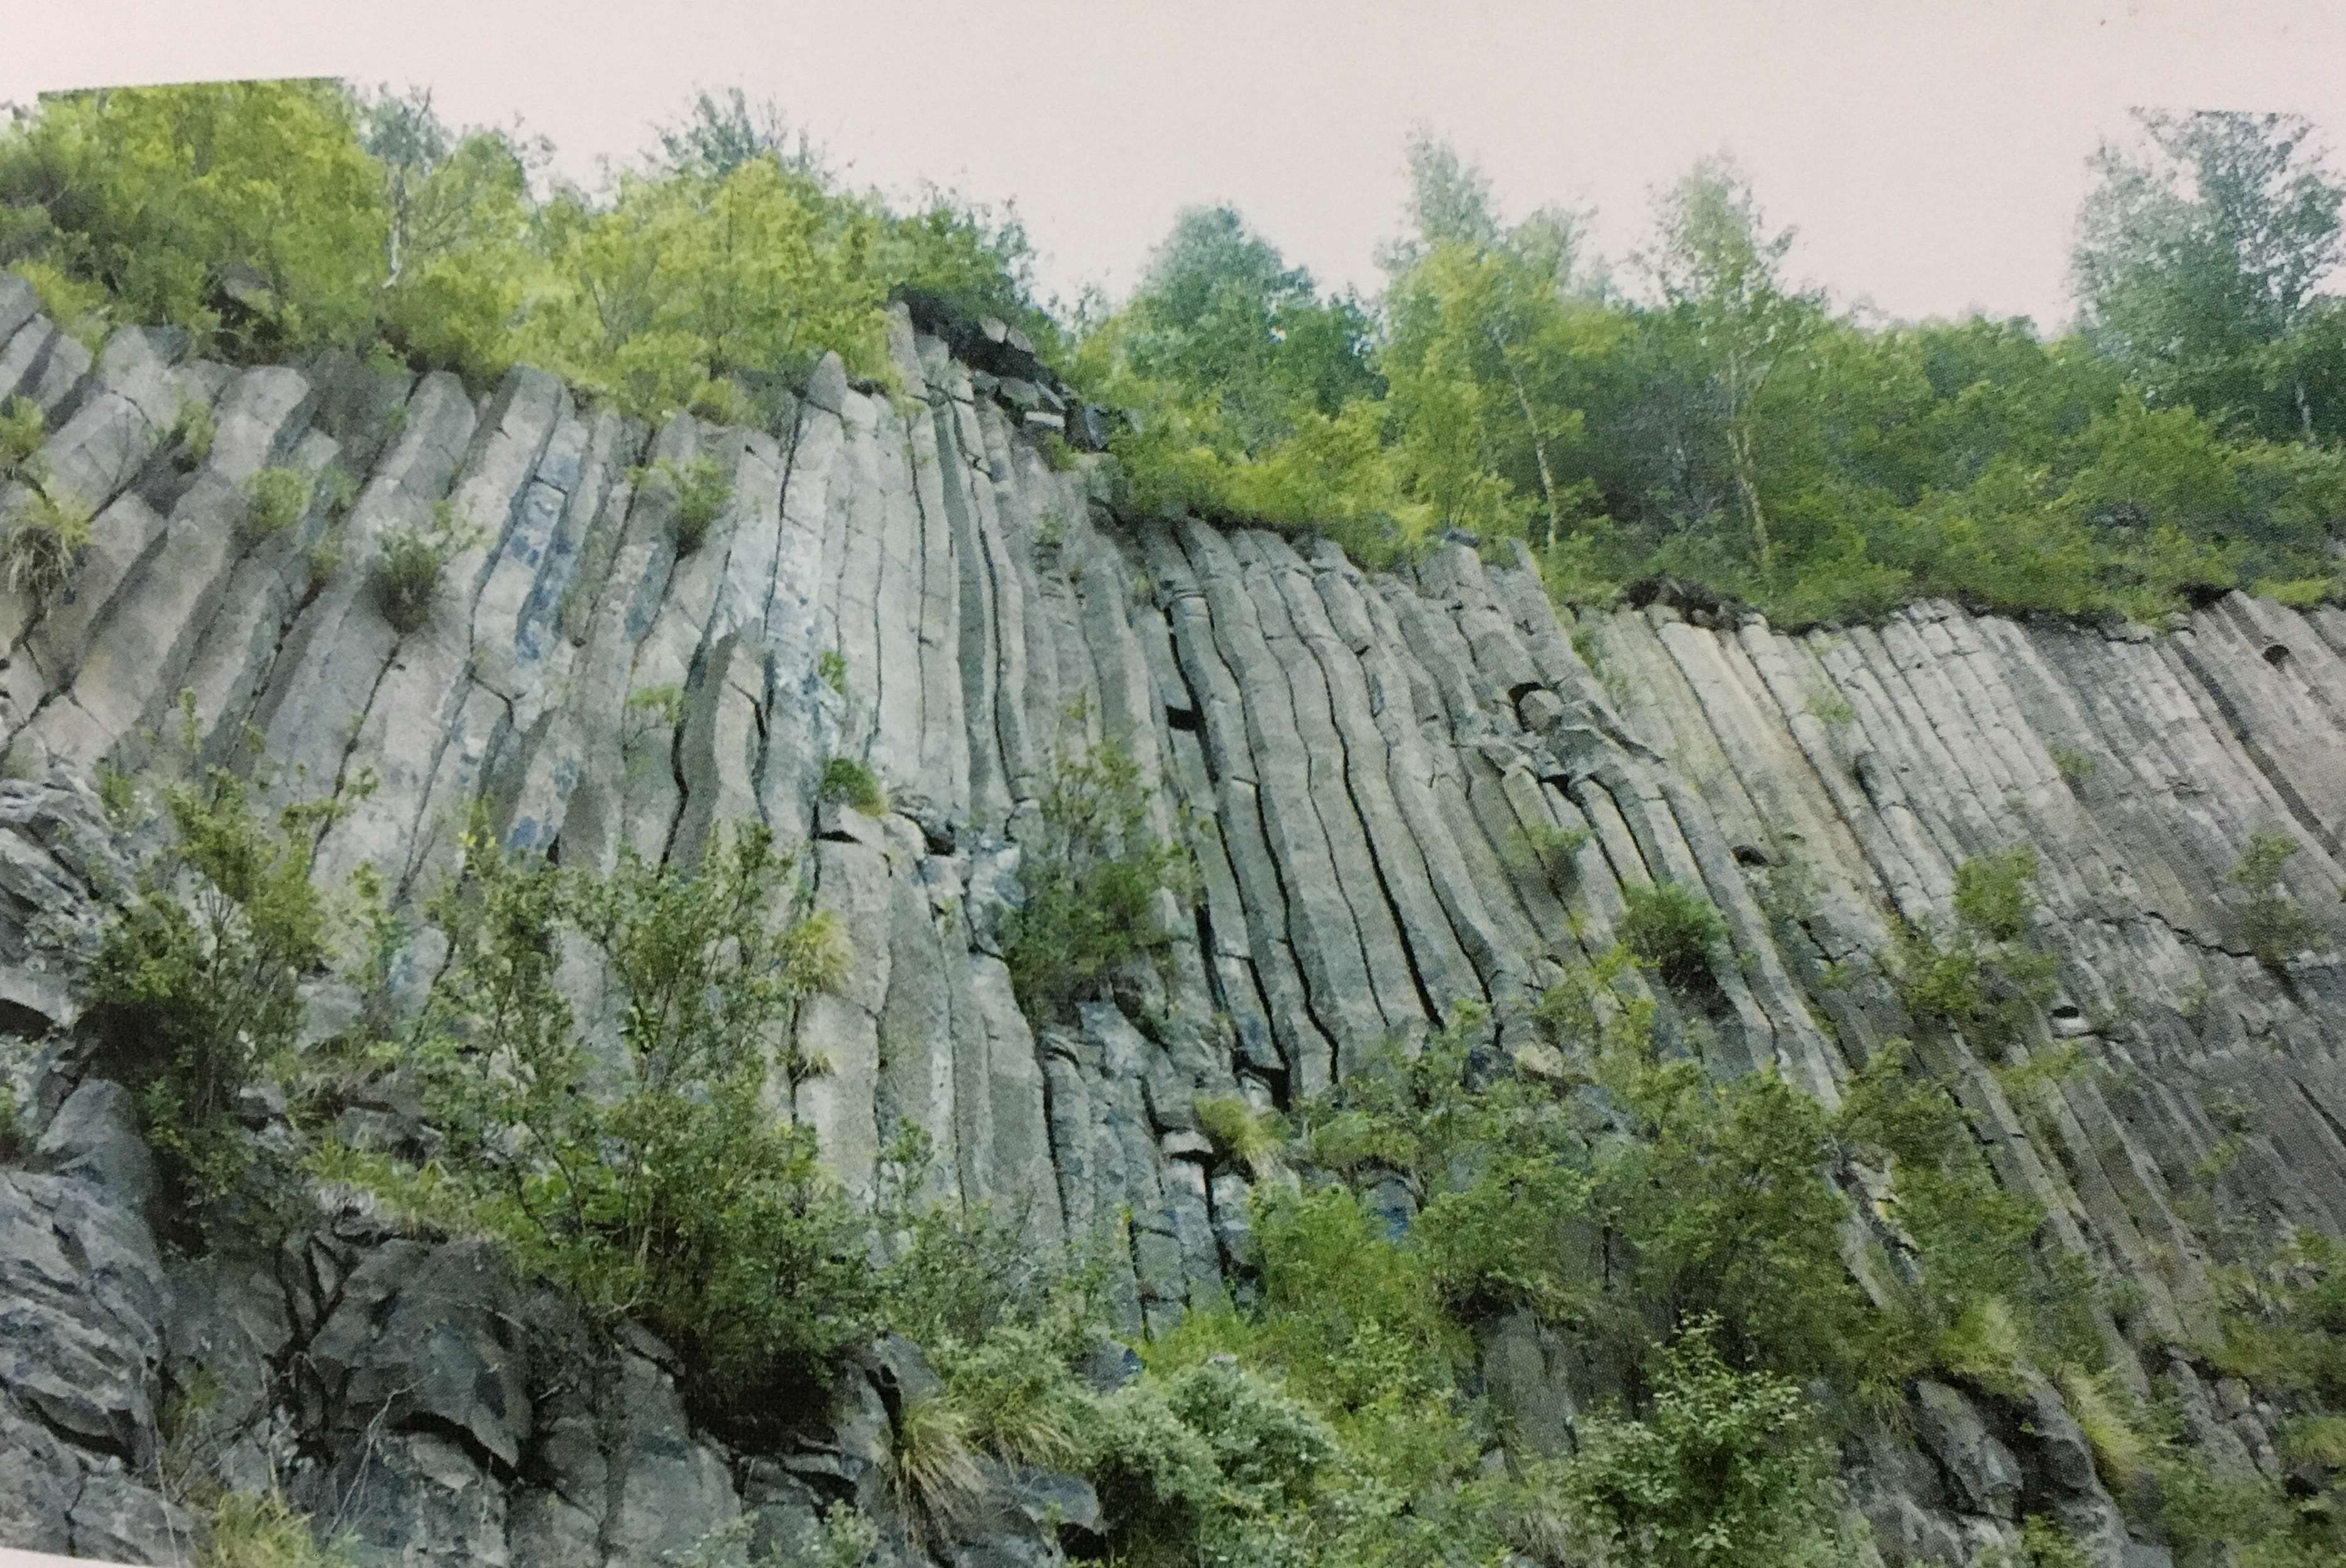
<point x="275" y="500"/>
<point x="2278" y="927"/>
<point x="194" y="991"/>
<point x="647" y="1175"/>
<point x="192" y="431"/>
<point x="244" y="211"/>
<point x="935" y="1472"/>
<point x="1994" y="893"/>
<point x="251" y="1530"/>
<point x="1550" y="850"/>
<point x="830" y="667"/>
<point x="1091" y="872"/>
<point x="1673" y="929"/>
<point x="23" y="427"/>
<point x="38" y="555"/>
<point x="701" y="491"/>
<point x="269" y="218"/>
<point x="1242" y="1134"/>
<point x="1986" y="980"/>
<point x="409" y="563"/>
<point x="1726" y="1468"/>
<point x="845" y="778"/>
<point x="2075" y="767"/>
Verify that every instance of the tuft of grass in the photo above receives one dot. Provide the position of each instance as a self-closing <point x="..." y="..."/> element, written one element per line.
<point x="935" y="1470"/>
<point x="37" y="558"/>
<point x="192" y="432"/>
<point x="831" y="665"/>
<point x="23" y="427"/>
<point x="1252" y="1138"/>
<point x="407" y="573"/>
<point x="2121" y="1452"/>
<point x="1829" y="707"/>
<point x="275" y="500"/>
<point x="703" y="491"/>
<point x="2075" y="767"/>
<point x="261" y="1531"/>
<point x="845" y="778"/>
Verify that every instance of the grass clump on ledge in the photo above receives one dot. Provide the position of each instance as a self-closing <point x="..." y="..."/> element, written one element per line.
<point x="275" y="500"/>
<point x="703" y="493"/>
<point x="37" y="557"/>
<point x="408" y="570"/>
<point x="23" y="427"/>
<point x="845" y="778"/>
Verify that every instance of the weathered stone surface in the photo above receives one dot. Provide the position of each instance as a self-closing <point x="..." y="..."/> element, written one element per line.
<point x="1357" y="762"/>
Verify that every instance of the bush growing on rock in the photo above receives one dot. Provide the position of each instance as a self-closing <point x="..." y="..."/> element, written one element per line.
<point x="194" y="990"/>
<point x="1673" y="929"/>
<point x="646" y="1173"/>
<point x="38" y="556"/>
<point x="1090" y="873"/>
<point x="23" y="427"/>
<point x="408" y="569"/>
<point x="2278" y="927"/>
<point x="845" y="778"/>
<point x="275" y="500"/>
<point x="702" y="492"/>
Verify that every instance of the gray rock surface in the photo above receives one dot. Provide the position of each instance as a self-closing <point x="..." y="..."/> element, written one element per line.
<point x="1353" y="758"/>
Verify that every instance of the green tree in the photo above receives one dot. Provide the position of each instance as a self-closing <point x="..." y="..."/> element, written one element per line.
<point x="2197" y="260"/>
<point x="1729" y="309"/>
<point x="247" y="213"/>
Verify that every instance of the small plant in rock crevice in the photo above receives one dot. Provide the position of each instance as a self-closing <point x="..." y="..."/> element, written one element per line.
<point x="1091" y="872"/>
<point x="23" y="427"/>
<point x="703" y="490"/>
<point x="275" y="500"/>
<point x="38" y="555"/>
<point x="846" y="779"/>
<point x="192" y="432"/>
<point x="1673" y="929"/>
<point x="409" y="566"/>
<point x="2277" y="927"/>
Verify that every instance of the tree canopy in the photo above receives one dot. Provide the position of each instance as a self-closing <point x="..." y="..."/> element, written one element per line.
<point x="1714" y="415"/>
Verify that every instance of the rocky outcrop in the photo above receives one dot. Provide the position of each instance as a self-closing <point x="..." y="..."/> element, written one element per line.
<point x="1355" y="759"/>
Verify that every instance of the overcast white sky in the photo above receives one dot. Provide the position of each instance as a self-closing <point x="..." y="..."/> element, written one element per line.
<point x="1933" y="154"/>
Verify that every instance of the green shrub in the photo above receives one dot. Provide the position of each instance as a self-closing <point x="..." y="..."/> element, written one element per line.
<point x="2277" y="929"/>
<point x="195" y="993"/>
<point x="1249" y="1137"/>
<point x="192" y="432"/>
<point x="1673" y="929"/>
<point x="1725" y="1470"/>
<point x="38" y="556"/>
<point x="408" y="569"/>
<point x="1090" y="873"/>
<point x="275" y="500"/>
<point x="23" y="427"/>
<point x="1985" y="980"/>
<point x="1549" y="850"/>
<point x="845" y="778"/>
<point x="831" y="665"/>
<point x="1995" y="894"/>
<point x="655" y="1185"/>
<point x="703" y="490"/>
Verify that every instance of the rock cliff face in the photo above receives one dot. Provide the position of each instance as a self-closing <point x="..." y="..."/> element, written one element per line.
<point x="1353" y="759"/>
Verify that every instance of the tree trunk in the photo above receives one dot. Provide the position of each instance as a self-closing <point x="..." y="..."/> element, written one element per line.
<point x="1539" y="445"/>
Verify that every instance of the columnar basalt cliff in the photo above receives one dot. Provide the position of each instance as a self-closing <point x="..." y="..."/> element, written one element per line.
<point x="1354" y="758"/>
